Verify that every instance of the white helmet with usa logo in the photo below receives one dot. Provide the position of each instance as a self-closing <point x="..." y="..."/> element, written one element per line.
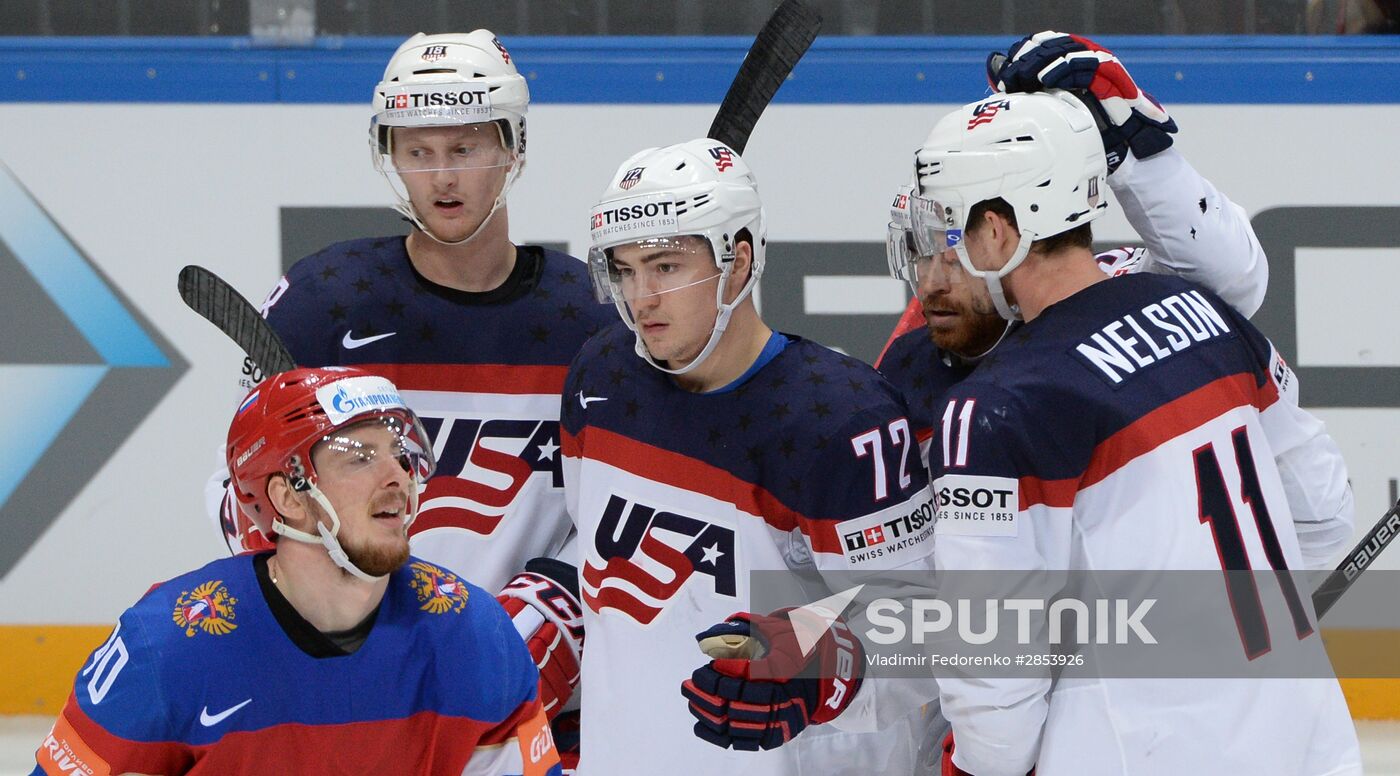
<point x="448" y="80"/>
<point x="1040" y="152"/>
<point x="697" y="193"/>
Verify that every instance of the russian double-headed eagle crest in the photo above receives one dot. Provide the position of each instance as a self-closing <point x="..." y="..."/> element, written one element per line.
<point x="207" y="608"/>
<point x="438" y="591"/>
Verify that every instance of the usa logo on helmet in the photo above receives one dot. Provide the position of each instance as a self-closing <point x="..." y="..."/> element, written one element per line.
<point x="505" y="55"/>
<point x="984" y="113"/>
<point x="724" y="158"/>
<point x="631" y="178"/>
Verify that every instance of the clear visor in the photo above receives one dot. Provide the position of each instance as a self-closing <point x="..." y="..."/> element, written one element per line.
<point x="360" y="446"/>
<point x="453" y="148"/>
<point x="900" y="252"/>
<point x="637" y="271"/>
<point x="932" y="234"/>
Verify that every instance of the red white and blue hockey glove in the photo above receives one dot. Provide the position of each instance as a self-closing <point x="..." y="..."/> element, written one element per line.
<point x="543" y="603"/>
<point x="762" y="689"/>
<point x="1129" y="118"/>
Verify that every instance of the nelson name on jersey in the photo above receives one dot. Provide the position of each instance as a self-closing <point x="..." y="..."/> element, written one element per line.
<point x="1163" y="329"/>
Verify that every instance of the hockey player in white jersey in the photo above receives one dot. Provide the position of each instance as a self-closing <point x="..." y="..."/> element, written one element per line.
<point x="1111" y="457"/>
<point x="1190" y="229"/>
<point x="475" y="330"/>
<point x="700" y="446"/>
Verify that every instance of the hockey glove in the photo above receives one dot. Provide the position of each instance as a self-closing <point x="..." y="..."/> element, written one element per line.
<point x="761" y="689"/>
<point x="1129" y="119"/>
<point x="543" y="603"/>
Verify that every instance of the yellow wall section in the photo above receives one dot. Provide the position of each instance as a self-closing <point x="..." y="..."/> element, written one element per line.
<point x="38" y="663"/>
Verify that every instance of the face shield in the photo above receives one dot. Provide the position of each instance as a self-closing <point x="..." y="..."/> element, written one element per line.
<point x="900" y="253"/>
<point x="637" y="273"/>
<point x="424" y="132"/>
<point x="935" y="246"/>
<point x="359" y="447"/>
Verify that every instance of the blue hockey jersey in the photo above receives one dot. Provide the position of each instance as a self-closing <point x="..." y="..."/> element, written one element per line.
<point x="200" y="677"/>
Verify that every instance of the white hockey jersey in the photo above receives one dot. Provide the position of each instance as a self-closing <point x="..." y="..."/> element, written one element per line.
<point x="1192" y="230"/>
<point x="677" y="497"/>
<point x="1135" y="425"/>
<point x="483" y="370"/>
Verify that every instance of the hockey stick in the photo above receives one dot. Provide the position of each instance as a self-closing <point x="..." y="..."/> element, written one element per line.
<point x="217" y="301"/>
<point x="1357" y="561"/>
<point x="785" y="37"/>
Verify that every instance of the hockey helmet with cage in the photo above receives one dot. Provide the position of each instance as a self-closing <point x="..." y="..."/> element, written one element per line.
<point x="448" y="80"/>
<point x="1040" y="152"/>
<point x="699" y="190"/>
<point x="290" y="413"/>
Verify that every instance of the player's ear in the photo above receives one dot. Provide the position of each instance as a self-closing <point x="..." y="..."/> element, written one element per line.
<point x="743" y="265"/>
<point x="288" y="503"/>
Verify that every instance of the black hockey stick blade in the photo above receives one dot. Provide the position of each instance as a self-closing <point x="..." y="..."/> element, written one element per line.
<point x="217" y="301"/>
<point x="783" y="40"/>
<point x="1356" y="561"/>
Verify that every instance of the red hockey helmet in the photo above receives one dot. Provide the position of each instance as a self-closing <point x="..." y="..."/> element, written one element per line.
<point x="286" y="415"/>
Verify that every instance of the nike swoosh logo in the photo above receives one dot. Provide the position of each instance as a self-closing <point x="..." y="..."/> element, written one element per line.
<point x="350" y="343"/>
<point x="210" y="720"/>
<point x="585" y="400"/>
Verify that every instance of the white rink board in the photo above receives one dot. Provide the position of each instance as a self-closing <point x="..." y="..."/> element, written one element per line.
<point x="145" y="189"/>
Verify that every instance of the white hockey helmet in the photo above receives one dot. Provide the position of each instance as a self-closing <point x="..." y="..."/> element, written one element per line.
<point x="1039" y="152"/>
<point x="448" y="80"/>
<point x="899" y="239"/>
<point x="700" y="189"/>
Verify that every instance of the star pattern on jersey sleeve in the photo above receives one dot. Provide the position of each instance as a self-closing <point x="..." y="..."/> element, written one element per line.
<point x="337" y="312"/>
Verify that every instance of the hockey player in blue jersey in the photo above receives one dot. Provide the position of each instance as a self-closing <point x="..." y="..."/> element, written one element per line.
<point x="1190" y="229"/>
<point x="1134" y="423"/>
<point x="336" y="652"/>
<point x="475" y="330"/>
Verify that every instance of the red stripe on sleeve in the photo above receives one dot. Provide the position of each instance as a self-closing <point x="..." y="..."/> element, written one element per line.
<point x="472" y="378"/>
<point x="1149" y="432"/>
<point x="680" y="471"/>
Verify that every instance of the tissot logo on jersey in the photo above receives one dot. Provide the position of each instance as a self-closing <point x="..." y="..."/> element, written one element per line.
<point x="483" y="465"/>
<point x="974" y="505"/>
<point x="633" y="538"/>
<point x="892" y="533"/>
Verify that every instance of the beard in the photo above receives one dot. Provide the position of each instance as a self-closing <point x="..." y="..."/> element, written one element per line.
<point x="378" y="558"/>
<point x="973" y="331"/>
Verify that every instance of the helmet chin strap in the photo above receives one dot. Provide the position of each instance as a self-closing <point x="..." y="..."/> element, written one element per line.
<point x="724" y="311"/>
<point x="992" y="277"/>
<point x="407" y="210"/>
<point x="328" y="536"/>
<point x="951" y="358"/>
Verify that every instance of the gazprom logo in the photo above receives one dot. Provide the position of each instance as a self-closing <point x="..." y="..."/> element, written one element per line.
<point x="347" y="398"/>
